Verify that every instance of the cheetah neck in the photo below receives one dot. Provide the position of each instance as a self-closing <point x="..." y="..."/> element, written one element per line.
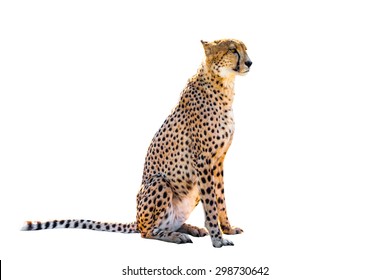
<point x="223" y="87"/>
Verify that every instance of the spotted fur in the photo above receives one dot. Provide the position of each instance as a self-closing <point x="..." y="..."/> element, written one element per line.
<point x="184" y="162"/>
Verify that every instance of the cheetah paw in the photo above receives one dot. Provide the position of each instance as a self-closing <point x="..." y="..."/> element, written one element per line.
<point x="181" y="238"/>
<point x="219" y="242"/>
<point x="193" y="230"/>
<point x="200" y="232"/>
<point x="232" y="230"/>
<point x="175" y="237"/>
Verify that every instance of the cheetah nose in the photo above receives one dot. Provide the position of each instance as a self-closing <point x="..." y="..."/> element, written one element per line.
<point x="248" y="63"/>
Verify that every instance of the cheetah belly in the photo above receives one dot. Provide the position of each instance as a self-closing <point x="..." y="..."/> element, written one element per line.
<point x="181" y="209"/>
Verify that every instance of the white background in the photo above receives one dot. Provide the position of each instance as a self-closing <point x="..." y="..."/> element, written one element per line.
<point x="86" y="84"/>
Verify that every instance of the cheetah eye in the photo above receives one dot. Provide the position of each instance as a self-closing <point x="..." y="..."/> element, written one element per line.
<point x="234" y="51"/>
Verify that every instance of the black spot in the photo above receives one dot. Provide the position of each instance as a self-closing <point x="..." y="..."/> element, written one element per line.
<point x="62" y="222"/>
<point x="47" y="224"/>
<point x="160" y="188"/>
<point x="107" y="227"/>
<point x="54" y="224"/>
<point x="208" y="190"/>
<point x="98" y="226"/>
<point x="67" y="225"/>
<point x="84" y="226"/>
<point x="159" y="203"/>
<point x="39" y="225"/>
<point x="90" y="226"/>
<point x="76" y="224"/>
<point x="203" y="180"/>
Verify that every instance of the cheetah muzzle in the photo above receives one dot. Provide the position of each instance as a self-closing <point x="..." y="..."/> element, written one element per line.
<point x="184" y="162"/>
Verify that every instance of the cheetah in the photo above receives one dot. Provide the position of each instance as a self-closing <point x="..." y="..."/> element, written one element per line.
<point x="184" y="162"/>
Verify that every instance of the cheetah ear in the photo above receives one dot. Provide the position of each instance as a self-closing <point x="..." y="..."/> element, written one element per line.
<point x="206" y="46"/>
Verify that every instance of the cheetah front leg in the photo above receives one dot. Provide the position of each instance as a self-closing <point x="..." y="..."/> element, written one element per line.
<point x="220" y="192"/>
<point x="206" y="186"/>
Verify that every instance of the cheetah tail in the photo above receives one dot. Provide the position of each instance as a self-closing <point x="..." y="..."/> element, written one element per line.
<point x="82" y="224"/>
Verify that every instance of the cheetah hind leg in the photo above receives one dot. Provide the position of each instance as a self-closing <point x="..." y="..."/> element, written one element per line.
<point x="193" y="230"/>
<point x="153" y="219"/>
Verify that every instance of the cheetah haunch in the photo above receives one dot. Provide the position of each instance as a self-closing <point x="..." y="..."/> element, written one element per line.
<point x="184" y="162"/>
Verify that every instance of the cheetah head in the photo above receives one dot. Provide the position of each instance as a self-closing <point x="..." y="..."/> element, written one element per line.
<point x="227" y="57"/>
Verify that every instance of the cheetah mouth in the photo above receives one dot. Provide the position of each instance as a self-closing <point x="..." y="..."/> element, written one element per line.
<point x="243" y="72"/>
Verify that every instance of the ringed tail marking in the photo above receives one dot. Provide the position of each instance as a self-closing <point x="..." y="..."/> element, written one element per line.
<point x="81" y="224"/>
